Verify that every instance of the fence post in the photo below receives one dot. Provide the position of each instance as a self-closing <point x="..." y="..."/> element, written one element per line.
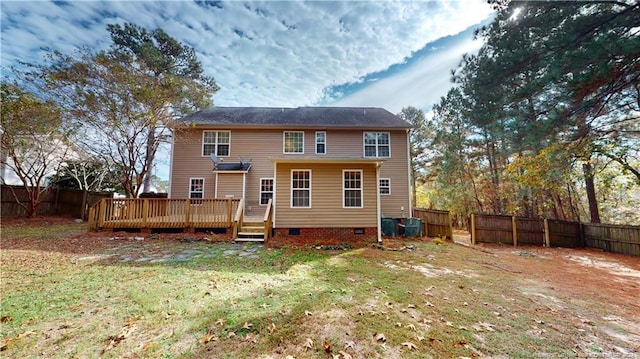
<point x="547" y="241"/>
<point x="583" y="239"/>
<point x="425" y="223"/>
<point x="473" y="229"/>
<point x="515" y="231"/>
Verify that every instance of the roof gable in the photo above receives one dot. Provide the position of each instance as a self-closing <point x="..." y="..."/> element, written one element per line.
<point x="300" y="117"/>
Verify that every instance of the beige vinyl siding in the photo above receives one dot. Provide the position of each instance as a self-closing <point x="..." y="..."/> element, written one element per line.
<point x="396" y="169"/>
<point x="229" y="184"/>
<point x="262" y="145"/>
<point x="187" y="162"/>
<point x="326" y="197"/>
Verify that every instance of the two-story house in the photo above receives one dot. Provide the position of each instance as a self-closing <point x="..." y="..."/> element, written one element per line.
<point x="330" y="172"/>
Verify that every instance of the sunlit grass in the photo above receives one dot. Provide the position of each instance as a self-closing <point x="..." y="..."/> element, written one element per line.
<point x="443" y="299"/>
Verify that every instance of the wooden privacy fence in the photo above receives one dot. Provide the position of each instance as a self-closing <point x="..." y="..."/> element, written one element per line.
<point x="150" y="213"/>
<point x="553" y="233"/>
<point x="61" y="201"/>
<point x="435" y="223"/>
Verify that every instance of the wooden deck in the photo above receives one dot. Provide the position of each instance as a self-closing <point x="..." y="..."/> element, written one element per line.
<point x="158" y="213"/>
<point x="150" y="213"/>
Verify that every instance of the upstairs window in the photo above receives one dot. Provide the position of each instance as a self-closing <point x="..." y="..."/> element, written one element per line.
<point x="216" y="142"/>
<point x="377" y="144"/>
<point x="196" y="188"/>
<point x="293" y="142"/>
<point x="321" y="142"/>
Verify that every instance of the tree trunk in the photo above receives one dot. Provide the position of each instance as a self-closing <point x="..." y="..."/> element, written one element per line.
<point x="591" y="192"/>
<point x="151" y="138"/>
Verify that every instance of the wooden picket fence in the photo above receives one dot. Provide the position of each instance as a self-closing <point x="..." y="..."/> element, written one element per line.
<point x="487" y="228"/>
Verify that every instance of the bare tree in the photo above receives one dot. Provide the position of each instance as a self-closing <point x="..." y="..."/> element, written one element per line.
<point x="33" y="142"/>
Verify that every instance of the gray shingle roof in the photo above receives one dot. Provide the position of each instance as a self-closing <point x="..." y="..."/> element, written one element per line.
<point x="300" y="117"/>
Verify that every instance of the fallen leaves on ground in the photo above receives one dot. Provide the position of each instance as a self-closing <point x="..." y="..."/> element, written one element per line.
<point x="327" y="346"/>
<point x="379" y="337"/>
<point x="409" y="345"/>
<point x="250" y="338"/>
<point x="308" y="344"/>
<point x="209" y="337"/>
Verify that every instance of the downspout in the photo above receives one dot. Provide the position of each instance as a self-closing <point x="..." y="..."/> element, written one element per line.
<point x="409" y="173"/>
<point x="244" y="186"/>
<point x="378" y="211"/>
<point x="215" y="193"/>
<point x="275" y="191"/>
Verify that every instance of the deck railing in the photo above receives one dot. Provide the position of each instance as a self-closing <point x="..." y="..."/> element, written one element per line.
<point x="238" y="218"/>
<point x="147" y="213"/>
<point x="268" y="219"/>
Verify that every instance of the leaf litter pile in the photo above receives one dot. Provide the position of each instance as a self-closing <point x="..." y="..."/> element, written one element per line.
<point x="65" y="296"/>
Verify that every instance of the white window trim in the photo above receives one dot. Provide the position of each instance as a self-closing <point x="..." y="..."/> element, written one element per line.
<point x="324" y="143"/>
<point x="380" y="186"/>
<point x="364" y="144"/>
<point x="216" y="144"/>
<point x="273" y="191"/>
<point x="284" y="143"/>
<point x="203" y="184"/>
<point x="291" y="188"/>
<point x="351" y="189"/>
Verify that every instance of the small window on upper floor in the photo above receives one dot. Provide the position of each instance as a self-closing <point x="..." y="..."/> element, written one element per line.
<point x="321" y="142"/>
<point x="216" y="142"/>
<point x="293" y="142"/>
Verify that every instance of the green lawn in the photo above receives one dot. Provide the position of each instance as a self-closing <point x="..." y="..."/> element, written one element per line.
<point x="433" y="301"/>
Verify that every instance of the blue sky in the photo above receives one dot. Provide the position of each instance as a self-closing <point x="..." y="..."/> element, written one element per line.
<point x="276" y="53"/>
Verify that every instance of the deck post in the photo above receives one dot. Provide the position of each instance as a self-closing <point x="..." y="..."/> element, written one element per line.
<point x="102" y="213"/>
<point x="229" y="211"/>
<point x="187" y="215"/>
<point x="145" y="209"/>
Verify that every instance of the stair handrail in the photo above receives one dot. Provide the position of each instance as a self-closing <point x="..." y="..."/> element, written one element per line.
<point x="238" y="218"/>
<point x="268" y="219"/>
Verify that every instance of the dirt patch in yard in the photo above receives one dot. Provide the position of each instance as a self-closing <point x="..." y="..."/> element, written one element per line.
<point x="600" y="275"/>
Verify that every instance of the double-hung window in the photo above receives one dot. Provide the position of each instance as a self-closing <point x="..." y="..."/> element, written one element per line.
<point x="377" y="144"/>
<point x="352" y="188"/>
<point x="196" y="188"/>
<point x="216" y="142"/>
<point x="266" y="190"/>
<point x="321" y="142"/>
<point x="293" y="142"/>
<point x="385" y="186"/>
<point x="301" y="188"/>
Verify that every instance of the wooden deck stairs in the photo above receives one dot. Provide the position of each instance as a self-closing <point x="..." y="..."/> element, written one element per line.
<point x="254" y="225"/>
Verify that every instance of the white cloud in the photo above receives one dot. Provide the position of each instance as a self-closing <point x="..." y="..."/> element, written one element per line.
<point x="261" y="54"/>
